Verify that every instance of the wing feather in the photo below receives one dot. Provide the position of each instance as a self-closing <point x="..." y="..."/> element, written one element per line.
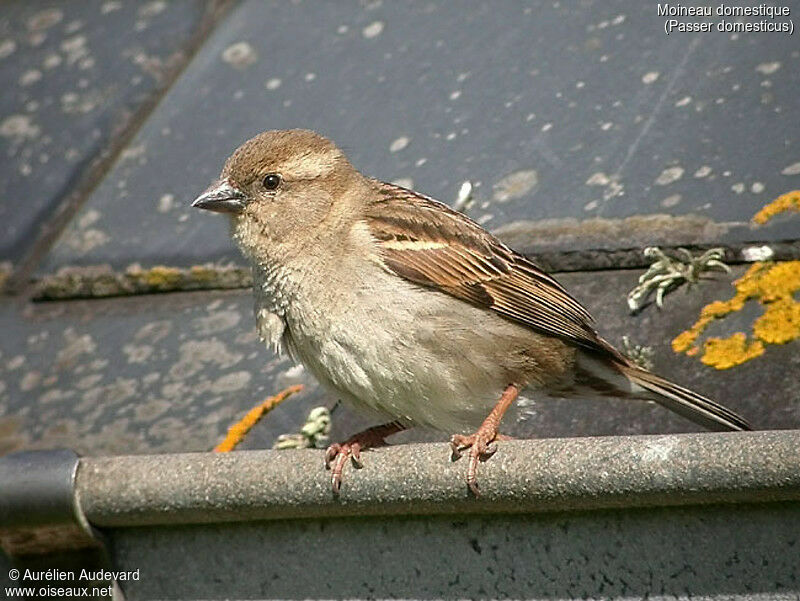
<point x="428" y="243"/>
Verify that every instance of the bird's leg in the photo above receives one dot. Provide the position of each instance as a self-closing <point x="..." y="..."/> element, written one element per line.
<point x="337" y="454"/>
<point x="480" y="444"/>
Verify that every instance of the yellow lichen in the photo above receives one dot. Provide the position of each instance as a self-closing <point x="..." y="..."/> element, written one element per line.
<point x="786" y="202"/>
<point x="780" y="322"/>
<point x="239" y="430"/>
<point x="161" y="276"/>
<point x="773" y="285"/>
<point x="202" y="274"/>
<point x="724" y="353"/>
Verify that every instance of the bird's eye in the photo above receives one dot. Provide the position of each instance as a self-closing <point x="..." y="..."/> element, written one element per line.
<point x="272" y="181"/>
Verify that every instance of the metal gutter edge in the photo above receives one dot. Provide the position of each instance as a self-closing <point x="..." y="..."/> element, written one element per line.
<point x="523" y="476"/>
<point x="42" y="525"/>
<point x="38" y="509"/>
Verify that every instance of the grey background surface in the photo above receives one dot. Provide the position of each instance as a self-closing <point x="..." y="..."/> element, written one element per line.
<point x="116" y="114"/>
<point x="553" y="110"/>
<point x="73" y="78"/>
<point x="490" y="92"/>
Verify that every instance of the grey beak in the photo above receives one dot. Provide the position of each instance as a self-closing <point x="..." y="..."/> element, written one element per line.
<point x="221" y="197"/>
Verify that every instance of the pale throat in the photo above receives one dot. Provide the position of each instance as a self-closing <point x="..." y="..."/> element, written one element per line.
<point x="290" y="275"/>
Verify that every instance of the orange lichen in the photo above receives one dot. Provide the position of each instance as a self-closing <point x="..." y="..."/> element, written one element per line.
<point x="724" y="353"/>
<point x="780" y="322"/>
<point x="786" y="202"/>
<point x="771" y="284"/>
<point x="239" y="430"/>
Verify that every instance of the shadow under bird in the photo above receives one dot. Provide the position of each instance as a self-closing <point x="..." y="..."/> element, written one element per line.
<point x="408" y="309"/>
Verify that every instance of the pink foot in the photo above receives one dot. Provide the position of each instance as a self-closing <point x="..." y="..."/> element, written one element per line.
<point x="482" y="445"/>
<point x="337" y="454"/>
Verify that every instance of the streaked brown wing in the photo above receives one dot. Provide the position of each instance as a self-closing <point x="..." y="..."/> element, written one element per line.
<point x="426" y="242"/>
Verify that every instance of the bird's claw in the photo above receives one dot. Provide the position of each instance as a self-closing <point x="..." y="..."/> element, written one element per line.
<point x="336" y="456"/>
<point x="482" y="445"/>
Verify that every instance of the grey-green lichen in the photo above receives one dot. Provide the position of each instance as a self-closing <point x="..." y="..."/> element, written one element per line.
<point x="103" y="281"/>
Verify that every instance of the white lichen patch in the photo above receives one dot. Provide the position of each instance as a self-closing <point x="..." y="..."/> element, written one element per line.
<point x="150" y="409"/>
<point x="151" y="9"/>
<point x="757" y="253"/>
<point x="87" y="382"/>
<point x="29" y="77"/>
<point x="793" y="169"/>
<point x="671" y="201"/>
<point x="75" y="346"/>
<point x="132" y="153"/>
<point x="110" y="6"/>
<point x="85" y="240"/>
<point x="98" y="364"/>
<point x="231" y="382"/>
<point x="75" y="49"/>
<point x="216" y="322"/>
<point x="515" y="185"/>
<point x="273" y="83"/>
<point x="45" y="19"/>
<point x="650" y="77"/>
<point x="7" y="48"/>
<point x="30" y="381"/>
<point x="240" y="55"/>
<point x="88" y="218"/>
<point x="15" y="362"/>
<point x="166" y="429"/>
<point x="196" y="355"/>
<point x="598" y="179"/>
<point x="73" y="103"/>
<point x="153" y="332"/>
<point x="399" y="144"/>
<point x="54" y="395"/>
<point x="19" y="127"/>
<point x="166" y="203"/>
<point x="768" y="68"/>
<point x="116" y="393"/>
<point x="373" y="30"/>
<point x="295" y="372"/>
<point x="702" y="172"/>
<point x="669" y="175"/>
<point x="73" y="26"/>
<point x="137" y="353"/>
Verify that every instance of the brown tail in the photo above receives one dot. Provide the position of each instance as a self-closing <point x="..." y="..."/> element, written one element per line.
<point x="683" y="401"/>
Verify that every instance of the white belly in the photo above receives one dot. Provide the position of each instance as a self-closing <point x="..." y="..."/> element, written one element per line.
<point x="425" y="361"/>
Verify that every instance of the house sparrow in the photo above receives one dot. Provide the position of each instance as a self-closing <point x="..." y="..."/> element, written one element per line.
<point x="405" y="307"/>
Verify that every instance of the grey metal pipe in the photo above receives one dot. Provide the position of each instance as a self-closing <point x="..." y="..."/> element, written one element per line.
<point x="523" y="476"/>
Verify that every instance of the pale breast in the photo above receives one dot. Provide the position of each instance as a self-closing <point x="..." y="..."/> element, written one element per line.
<point x="413" y="354"/>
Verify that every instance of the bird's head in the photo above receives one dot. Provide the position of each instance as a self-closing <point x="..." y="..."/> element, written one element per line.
<point x="280" y="187"/>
